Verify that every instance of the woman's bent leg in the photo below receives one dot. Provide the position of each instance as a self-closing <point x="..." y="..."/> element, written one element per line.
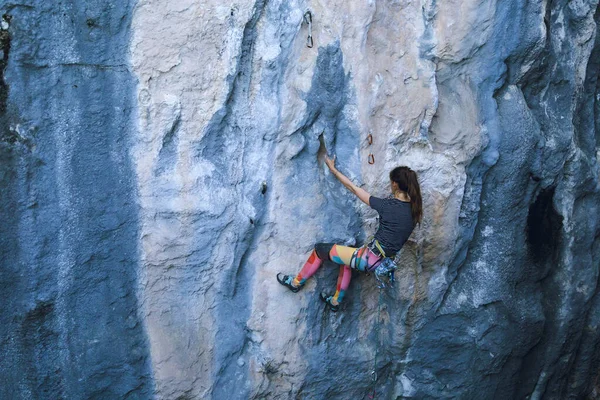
<point x="310" y="267"/>
<point x="342" y="255"/>
<point x="315" y="260"/>
<point x="338" y="254"/>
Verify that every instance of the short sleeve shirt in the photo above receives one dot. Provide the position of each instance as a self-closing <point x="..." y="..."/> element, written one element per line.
<point x="395" y="222"/>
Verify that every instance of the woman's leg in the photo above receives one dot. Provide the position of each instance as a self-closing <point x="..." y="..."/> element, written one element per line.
<point x="338" y="254"/>
<point x="343" y="255"/>
<point x="315" y="260"/>
<point x="342" y="284"/>
<point x="310" y="267"/>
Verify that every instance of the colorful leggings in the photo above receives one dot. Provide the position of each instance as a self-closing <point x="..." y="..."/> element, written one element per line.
<point x="340" y="255"/>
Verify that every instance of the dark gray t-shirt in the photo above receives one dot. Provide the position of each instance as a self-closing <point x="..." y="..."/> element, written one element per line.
<point x="395" y="222"/>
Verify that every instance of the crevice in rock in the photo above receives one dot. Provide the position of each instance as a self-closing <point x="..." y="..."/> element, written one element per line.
<point x="468" y="220"/>
<point x="168" y="152"/>
<point x="223" y="127"/>
<point x="536" y="80"/>
<point x="322" y="152"/>
<point x="544" y="226"/>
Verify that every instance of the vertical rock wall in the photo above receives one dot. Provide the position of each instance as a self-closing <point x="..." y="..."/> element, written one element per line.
<point x="69" y="326"/>
<point x="162" y="161"/>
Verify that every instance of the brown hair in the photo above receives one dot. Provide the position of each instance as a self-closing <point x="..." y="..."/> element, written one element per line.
<point x="407" y="181"/>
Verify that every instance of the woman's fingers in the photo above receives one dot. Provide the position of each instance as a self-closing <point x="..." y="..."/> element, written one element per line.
<point x="330" y="162"/>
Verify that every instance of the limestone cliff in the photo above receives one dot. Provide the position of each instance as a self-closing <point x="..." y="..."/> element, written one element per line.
<point x="160" y="162"/>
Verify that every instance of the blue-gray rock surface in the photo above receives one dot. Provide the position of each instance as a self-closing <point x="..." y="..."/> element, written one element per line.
<point x="161" y="161"/>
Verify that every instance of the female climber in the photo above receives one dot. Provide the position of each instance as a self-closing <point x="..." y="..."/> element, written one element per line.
<point x="398" y="215"/>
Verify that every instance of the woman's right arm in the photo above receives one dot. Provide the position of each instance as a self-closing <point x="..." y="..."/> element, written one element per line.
<point x="362" y="194"/>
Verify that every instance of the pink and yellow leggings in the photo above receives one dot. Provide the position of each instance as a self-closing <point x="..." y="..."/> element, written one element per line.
<point x="340" y="255"/>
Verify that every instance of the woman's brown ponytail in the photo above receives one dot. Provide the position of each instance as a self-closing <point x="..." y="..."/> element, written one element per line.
<point x="407" y="181"/>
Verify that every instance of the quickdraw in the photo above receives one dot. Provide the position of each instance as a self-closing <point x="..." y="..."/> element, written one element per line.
<point x="371" y="158"/>
<point x="308" y="20"/>
<point x="378" y="247"/>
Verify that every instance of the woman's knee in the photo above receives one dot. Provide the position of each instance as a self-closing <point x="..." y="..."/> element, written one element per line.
<point x="323" y="249"/>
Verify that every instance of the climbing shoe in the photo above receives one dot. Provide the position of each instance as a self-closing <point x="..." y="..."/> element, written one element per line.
<point x="327" y="299"/>
<point x="286" y="280"/>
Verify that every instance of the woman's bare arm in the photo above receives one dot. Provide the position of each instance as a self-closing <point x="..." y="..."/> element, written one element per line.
<point x="362" y="194"/>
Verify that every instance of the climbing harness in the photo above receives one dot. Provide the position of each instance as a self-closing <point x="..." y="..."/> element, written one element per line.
<point x="382" y="268"/>
<point x="356" y="256"/>
<point x="308" y="20"/>
<point x="385" y="267"/>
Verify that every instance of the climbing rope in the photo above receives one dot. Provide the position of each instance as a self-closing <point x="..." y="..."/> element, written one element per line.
<point x="389" y="272"/>
<point x="377" y="329"/>
<point x="308" y="20"/>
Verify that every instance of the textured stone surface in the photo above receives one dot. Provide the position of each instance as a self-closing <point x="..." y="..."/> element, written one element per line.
<point x="69" y="238"/>
<point x="161" y="161"/>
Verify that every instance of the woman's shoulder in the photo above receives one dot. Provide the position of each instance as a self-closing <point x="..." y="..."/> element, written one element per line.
<point x="396" y="202"/>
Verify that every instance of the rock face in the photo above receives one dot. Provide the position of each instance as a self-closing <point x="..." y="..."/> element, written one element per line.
<point x="161" y="161"/>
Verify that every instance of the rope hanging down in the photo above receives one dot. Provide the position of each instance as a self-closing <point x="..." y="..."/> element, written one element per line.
<point x="377" y="328"/>
<point x="386" y="268"/>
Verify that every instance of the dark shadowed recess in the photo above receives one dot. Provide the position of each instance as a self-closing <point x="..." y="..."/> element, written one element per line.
<point x="544" y="226"/>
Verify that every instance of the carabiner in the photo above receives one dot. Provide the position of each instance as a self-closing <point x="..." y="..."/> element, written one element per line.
<point x="371" y="158"/>
<point x="309" y="42"/>
<point x="308" y="17"/>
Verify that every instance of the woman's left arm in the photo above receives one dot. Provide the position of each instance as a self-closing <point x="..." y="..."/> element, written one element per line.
<point x="362" y="194"/>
